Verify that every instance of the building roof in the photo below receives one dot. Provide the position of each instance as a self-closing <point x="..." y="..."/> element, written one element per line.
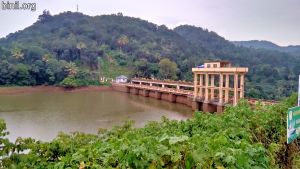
<point x="121" y="77"/>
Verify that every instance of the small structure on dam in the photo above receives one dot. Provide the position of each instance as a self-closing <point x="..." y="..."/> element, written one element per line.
<point x="217" y="83"/>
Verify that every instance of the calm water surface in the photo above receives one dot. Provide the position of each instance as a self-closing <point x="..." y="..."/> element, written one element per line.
<point x="42" y="115"/>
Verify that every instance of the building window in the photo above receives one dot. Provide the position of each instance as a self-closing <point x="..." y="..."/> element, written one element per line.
<point x="215" y="65"/>
<point x="208" y="65"/>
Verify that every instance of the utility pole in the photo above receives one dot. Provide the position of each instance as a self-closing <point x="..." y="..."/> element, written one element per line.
<point x="77" y="7"/>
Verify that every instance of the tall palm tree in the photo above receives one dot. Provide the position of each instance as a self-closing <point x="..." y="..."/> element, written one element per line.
<point x="46" y="58"/>
<point x="80" y="46"/>
<point x="71" y="68"/>
<point x="17" y="53"/>
<point x="122" y="41"/>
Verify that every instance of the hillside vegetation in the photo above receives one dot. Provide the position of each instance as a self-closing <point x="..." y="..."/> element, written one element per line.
<point x="240" y="138"/>
<point x="295" y="50"/>
<point x="61" y="46"/>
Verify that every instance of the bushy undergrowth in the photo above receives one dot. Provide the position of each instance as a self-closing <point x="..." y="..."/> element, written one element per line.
<point x="240" y="138"/>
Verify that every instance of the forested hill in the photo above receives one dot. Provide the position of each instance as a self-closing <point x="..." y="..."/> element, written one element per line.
<point x="256" y="44"/>
<point x="75" y="48"/>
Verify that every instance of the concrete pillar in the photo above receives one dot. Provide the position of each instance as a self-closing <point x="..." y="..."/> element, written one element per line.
<point x="206" y="87"/>
<point x="201" y="85"/>
<point x="242" y="88"/>
<point x="221" y="89"/>
<point x="150" y="84"/>
<point x="227" y="88"/>
<point x="136" y="91"/>
<point x="163" y="86"/>
<point x="212" y="89"/>
<point x="220" y="108"/>
<point x="195" y="85"/>
<point x="172" y="98"/>
<point x="146" y="93"/>
<point x="158" y="95"/>
<point x="140" y="83"/>
<point x="127" y="89"/>
<point x="235" y="94"/>
<point x="206" y="106"/>
<point x="195" y="106"/>
<point x="178" y="87"/>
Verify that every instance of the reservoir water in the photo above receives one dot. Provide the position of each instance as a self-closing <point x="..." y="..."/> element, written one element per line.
<point x="42" y="115"/>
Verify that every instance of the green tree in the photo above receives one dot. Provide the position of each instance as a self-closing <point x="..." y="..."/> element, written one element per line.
<point x="71" y="68"/>
<point x="46" y="57"/>
<point x="55" y="70"/>
<point x="122" y="41"/>
<point x="22" y="76"/>
<point x="17" y="53"/>
<point x="80" y="46"/>
<point x="167" y="69"/>
<point x="45" y="16"/>
<point x="5" y="145"/>
<point x="69" y="82"/>
<point x="7" y="72"/>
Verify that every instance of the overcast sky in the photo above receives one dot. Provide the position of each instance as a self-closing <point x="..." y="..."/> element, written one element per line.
<point x="273" y="20"/>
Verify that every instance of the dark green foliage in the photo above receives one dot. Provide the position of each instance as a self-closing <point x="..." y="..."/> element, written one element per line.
<point x="7" y="72"/>
<point x="240" y="138"/>
<point x="145" y="69"/>
<point x="22" y="75"/>
<point x="45" y="16"/>
<point x="81" y="78"/>
<point x="167" y="69"/>
<point x="112" y="45"/>
<point x="70" y="82"/>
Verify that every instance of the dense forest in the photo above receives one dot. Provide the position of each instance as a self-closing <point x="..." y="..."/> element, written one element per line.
<point x="242" y="137"/>
<point x="73" y="49"/>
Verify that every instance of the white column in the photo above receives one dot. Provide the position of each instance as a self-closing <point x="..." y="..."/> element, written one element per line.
<point x="206" y="87"/>
<point x="201" y="85"/>
<point x="221" y="89"/>
<point x="235" y="94"/>
<point x="227" y="88"/>
<point x="212" y="85"/>
<point x="242" y="88"/>
<point x="195" y="85"/>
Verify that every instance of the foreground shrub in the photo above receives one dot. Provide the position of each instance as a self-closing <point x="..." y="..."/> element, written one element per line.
<point x="242" y="137"/>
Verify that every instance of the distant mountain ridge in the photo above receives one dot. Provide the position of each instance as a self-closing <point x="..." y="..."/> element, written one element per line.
<point x="257" y="44"/>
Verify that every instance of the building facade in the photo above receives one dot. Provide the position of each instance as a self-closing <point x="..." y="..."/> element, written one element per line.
<point x="218" y="83"/>
<point x="121" y="79"/>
